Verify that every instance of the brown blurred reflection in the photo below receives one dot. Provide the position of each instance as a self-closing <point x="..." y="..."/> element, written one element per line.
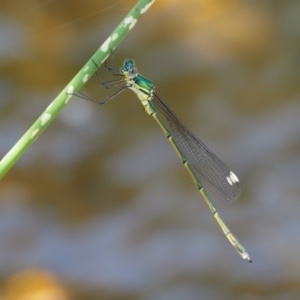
<point x="34" y="284"/>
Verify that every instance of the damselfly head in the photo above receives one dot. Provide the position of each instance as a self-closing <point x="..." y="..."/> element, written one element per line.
<point x="129" y="68"/>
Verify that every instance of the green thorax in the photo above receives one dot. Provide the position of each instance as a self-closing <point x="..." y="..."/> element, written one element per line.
<point x="138" y="81"/>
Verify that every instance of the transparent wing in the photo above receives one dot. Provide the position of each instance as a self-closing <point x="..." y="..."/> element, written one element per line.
<point x="218" y="181"/>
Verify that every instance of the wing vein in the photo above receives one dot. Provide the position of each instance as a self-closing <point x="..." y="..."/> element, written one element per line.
<point x="213" y="174"/>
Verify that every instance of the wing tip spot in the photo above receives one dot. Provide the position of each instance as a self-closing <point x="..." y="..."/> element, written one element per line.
<point x="229" y="180"/>
<point x="233" y="177"/>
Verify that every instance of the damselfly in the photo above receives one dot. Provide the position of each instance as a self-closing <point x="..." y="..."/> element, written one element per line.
<point x="212" y="177"/>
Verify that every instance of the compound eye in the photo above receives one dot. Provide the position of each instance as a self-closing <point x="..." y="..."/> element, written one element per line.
<point x="132" y="72"/>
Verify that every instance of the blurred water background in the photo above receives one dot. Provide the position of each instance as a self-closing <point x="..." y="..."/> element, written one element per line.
<point x="100" y="206"/>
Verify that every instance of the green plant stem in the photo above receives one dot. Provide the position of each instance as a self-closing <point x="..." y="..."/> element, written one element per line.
<point x="74" y="86"/>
